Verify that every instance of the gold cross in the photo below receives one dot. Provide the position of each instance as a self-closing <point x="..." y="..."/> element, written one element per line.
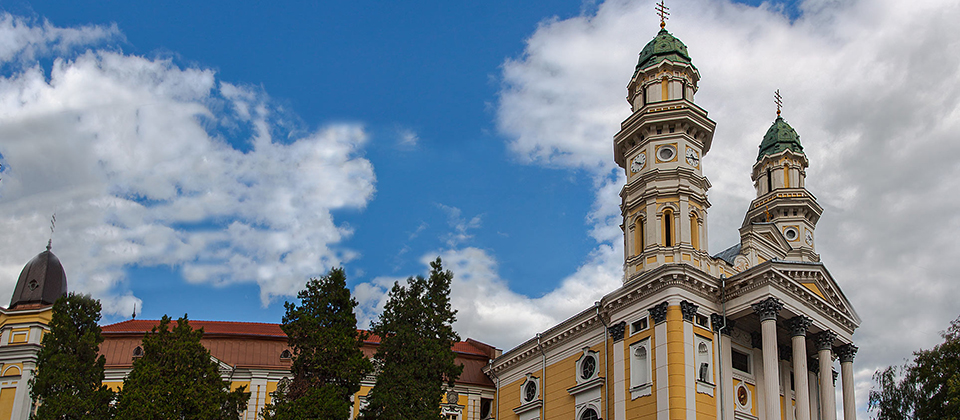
<point x="662" y="11"/>
<point x="777" y="99"/>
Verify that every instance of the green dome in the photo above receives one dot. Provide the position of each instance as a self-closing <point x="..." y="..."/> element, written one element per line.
<point x="781" y="136"/>
<point x="663" y="47"/>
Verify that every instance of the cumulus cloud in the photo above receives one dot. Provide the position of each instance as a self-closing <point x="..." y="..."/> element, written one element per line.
<point x="147" y="163"/>
<point x="870" y="86"/>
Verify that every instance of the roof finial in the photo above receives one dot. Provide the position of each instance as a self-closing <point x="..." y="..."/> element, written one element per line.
<point x="777" y="99"/>
<point x="134" y="310"/>
<point x="662" y="10"/>
<point x="53" y="226"/>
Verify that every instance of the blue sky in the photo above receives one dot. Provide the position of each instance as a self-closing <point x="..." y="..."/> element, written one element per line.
<point x="207" y="158"/>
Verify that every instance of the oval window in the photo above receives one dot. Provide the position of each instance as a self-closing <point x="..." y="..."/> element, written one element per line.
<point x="530" y="391"/>
<point x="666" y="153"/>
<point x="588" y="367"/>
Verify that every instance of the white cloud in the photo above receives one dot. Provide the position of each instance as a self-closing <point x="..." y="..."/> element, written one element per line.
<point x="133" y="156"/>
<point x="407" y="137"/>
<point x="870" y="86"/>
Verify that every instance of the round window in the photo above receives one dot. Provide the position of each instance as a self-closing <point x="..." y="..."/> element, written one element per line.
<point x="453" y="397"/>
<point x="666" y="153"/>
<point x="589" y="414"/>
<point x="530" y="391"/>
<point x="791" y="234"/>
<point x="588" y="367"/>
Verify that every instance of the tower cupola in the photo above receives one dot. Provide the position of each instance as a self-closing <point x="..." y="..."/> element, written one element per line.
<point x="41" y="282"/>
<point x="780" y="136"/>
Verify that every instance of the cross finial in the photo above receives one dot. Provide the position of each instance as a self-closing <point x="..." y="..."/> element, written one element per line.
<point x="53" y="226"/>
<point x="777" y="99"/>
<point x="662" y="10"/>
<point x="134" y="310"/>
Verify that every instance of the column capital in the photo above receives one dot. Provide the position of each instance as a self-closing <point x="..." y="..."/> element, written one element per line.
<point x="616" y="331"/>
<point x="786" y="353"/>
<point x="688" y="310"/>
<point x="846" y="352"/>
<point x="799" y="325"/>
<point x="768" y="308"/>
<point x="659" y="312"/>
<point x="825" y="339"/>
<point x="717" y="321"/>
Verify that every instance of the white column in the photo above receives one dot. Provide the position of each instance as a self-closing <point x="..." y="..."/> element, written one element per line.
<point x="768" y="309"/>
<point x="619" y="371"/>
<point x="798" y="329"/>
<point x="660" y="376"/>
<point x="828" y="407"/>
<point x="847" y="353"/>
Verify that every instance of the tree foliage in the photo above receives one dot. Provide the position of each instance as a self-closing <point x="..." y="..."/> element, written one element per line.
<point x="415" y="356"/>
<point x="926" y="388"/>
<point x="69" y="381"/>
<point x="177" y="379"/>
<point x="328" y="364"/>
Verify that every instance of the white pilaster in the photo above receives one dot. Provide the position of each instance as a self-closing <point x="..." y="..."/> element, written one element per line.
<point x="619" y="381"/>
<point x="660" y="380"/>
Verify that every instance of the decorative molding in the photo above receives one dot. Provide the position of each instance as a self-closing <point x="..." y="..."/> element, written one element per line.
<point x="659" y="313"/>
<point x="588" y="385"/>
<point x="688" y="310"/>
<point x="705" y="388"/>
<point x="641" y="391"/>
<point x="768" y="309"/>
<point x="846" y="352"/>
<point x="617" y="330"/>
<point x="716" y="322"/>
<point x="799" y="325"/>
<point x="824" y="340"/>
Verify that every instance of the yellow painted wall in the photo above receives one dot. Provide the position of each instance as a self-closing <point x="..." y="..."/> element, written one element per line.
<point x="813" y="288"/>
<point x="510" y="397"/>
<point x="114" y="386"/>
<point x="19" y="335"/>
<point x="271" y="388"/>
<point x="42" y="317"/>
<point x="364" y="390"/>
<point x="676" y="375"/>
<point x="12" y="369"/>
<point x="7" y="396"/>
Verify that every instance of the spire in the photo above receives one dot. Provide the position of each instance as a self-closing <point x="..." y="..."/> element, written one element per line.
<point x="134" y="316"/>
<point x="662" y="10"/>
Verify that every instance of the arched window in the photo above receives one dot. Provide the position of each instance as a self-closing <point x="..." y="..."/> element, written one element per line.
<point x="138" y="351"/>
<point x="639" y="370"/>
<point x="285" y="354"/>
<point x="668" y="228"/>
<point x="694" y="230"/>
<point x="638" y="236"/>
<point x="589" y="414"/>
<point x="704" y="372"/>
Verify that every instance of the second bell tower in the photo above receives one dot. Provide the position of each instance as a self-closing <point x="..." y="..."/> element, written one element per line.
<point x="660" y="146"/>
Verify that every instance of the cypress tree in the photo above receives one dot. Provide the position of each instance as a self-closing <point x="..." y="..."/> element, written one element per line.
<point x="69" y="380"/>
<point x="415" y="357"/>
<point x="177" y="379"/>
<point x="328" y="364"/>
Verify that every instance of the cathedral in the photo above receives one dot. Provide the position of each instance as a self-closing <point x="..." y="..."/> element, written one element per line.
<point x="752" y="332"/>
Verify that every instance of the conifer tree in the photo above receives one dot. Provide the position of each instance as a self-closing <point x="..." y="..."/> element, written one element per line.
<point x="415" y="357"/>
<point x="176" y="379"/>
<point x="69" y="381"/>
<point x="328" y="364"/>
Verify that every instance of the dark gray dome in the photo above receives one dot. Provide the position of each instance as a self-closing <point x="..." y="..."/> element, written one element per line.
<point x="42" y="281"/>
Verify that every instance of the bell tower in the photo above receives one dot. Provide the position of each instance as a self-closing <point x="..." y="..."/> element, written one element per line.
<point x="780" y="222"/>
<point x="660" y="147"/>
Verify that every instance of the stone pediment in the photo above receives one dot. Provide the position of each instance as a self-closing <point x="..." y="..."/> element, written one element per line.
<point x="808" y="282"/>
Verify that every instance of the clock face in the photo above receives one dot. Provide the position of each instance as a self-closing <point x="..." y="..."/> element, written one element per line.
<point x="639" y="162"/>
<point x="809" y="239"/>
<point x="692" y="158"/>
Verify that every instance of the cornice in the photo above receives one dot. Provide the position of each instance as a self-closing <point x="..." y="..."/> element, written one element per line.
<point x="788" y="280"/>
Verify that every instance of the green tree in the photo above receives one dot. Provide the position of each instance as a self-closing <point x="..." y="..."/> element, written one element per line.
<point x="69" y="381"/>
<point x="415" y="357"/>
<point x="177" y="379"/>
<point x="926" y="388"/>
<point x="328" y="364"/>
